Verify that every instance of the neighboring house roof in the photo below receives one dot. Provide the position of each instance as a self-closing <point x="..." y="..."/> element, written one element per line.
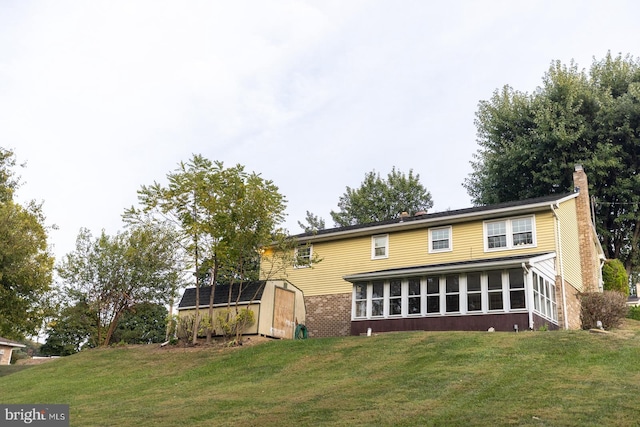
<point x="10" y="343"/>
<point x="251" y="291"/>
<point x="438" y="218"/>
<point x="468" y="265"/>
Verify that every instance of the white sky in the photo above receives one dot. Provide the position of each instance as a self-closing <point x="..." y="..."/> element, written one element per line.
<point x="101" y="97"/>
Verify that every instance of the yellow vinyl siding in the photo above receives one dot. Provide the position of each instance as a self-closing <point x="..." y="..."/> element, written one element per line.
<point x="406" y="249"/>
<point x="570" y="243"/>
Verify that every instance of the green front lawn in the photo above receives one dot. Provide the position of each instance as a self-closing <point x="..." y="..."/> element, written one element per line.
<point x="396" y="379"/>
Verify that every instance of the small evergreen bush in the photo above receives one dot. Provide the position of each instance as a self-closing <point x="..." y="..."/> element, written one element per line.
<point x="634" y="313"/>
<point x="614" y="276"/>
<point x="609" y="307"/>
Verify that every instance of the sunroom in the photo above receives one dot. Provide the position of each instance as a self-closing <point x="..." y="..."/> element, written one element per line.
<point x="507" y="294"/>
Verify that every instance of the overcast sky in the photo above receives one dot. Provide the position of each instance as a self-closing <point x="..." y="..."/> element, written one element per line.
<point x="101" y="97"/>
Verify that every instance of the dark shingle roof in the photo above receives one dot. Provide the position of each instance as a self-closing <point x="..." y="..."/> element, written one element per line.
<point x="443" y="214"/>
<point x="250" y="291"/>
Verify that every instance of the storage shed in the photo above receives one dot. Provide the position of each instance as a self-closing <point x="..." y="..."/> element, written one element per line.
<point x="277" y="304"/>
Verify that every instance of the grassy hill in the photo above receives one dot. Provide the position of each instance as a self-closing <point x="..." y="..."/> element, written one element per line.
<point x="396" y="379"/>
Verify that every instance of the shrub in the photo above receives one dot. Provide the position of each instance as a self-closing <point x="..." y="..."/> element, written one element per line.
<point x="184" y="330"/>
<point x="234" y="326"/>
<point x="614" y="276"/>
<point x="609" y="307"/>
<point x="634" y="313"/>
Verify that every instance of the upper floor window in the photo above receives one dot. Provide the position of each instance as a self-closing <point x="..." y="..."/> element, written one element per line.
<point x="380" y="246"/>
<point x="509" y="233"/>
<point x="303" y="256"/>
<point x="440" y="239"/>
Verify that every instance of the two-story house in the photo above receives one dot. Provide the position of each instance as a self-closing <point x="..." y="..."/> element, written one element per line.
<point x="517" y="265"/>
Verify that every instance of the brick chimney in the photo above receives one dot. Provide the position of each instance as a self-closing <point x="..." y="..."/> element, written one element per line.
<point x="589" y="261"/>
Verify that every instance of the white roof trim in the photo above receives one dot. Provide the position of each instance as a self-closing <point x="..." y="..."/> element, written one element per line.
<point x="438" y="221"/>
<point x="224" y="304"/>
<point x="12" y="344"/>
<point x="438" y="269"/>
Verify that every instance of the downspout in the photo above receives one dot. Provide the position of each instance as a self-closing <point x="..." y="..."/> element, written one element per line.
<point x="561" y="263"/>
<point x="530" y="296"/>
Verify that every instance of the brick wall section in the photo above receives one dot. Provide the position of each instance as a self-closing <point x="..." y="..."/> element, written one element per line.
<point x="573" y="305"/>
<point x="588" y="255"/>
<point x="328" y="315"/>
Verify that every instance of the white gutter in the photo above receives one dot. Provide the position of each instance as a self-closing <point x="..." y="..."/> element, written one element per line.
<point x="12" y="344"/>
<point x="530" y="296"/>
<point x="404" y="272"/>
<point x="420" y="223"/>
<point x="561" y="262"/>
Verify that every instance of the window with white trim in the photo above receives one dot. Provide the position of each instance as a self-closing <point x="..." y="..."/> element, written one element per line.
<point x="377" y="299"/>
<point x="491" y="291"/>
<point x="494" y="280"/>
<point x="303" y="256"/>
<point x="414" y="298"/>
<point x="474" y="292"/>
<point x="380" y="246"/>
<point x="509" y="233"/>
<point x="433" y="294"/>
<point x="360" y="298"/>
<point x="544" y="297"/>
<point x="395" y="297"/>
<point x="440" y="240"/>
<point x="516" y="289"/>
<point x="452" y="295"/>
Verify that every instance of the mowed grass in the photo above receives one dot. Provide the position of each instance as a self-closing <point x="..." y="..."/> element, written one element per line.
<point x="561" y="378"/>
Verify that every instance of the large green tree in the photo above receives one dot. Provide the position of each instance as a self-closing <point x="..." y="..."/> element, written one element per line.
<point x="379" y="199"/>
<point x="114" y="273"/>
<point x="225" y="217"/>
<point x="26" y="264"/>
<point x="529" y="144"/>
<point x="143" y="323"/>
<point x="73" y="329"/>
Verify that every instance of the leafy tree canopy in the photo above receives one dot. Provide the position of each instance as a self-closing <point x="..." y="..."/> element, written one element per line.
<point x="225" y="217"/>
<point x="379" y="199"/>
<point x="114" y="273"/>
<point x="529" y="144"/>
<point x="72" y="330"/>
<point x="26" y="264"/>
<point x="314" y="223"/>
<point x="614" y="276"/>
<point x="143" y="323"/>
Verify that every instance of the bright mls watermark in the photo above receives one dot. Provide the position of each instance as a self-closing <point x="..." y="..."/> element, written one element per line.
<point x="34" y="415"/>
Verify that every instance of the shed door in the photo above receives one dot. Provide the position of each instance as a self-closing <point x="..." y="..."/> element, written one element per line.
<point x="283" y="315"/>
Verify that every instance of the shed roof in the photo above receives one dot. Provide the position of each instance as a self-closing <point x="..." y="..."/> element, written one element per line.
<point x="251" y="291"/>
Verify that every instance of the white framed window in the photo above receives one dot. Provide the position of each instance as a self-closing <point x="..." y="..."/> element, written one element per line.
<point x="516" y="289"/>
<point x="433" y="294"/>
<point x="395" y="297"/>
<point x="303" y="256"/>
<point x="414" y="297"/>
<point x="360" y="300"/>
<point x="452" y="295"/>
<point x="511" y="233"/>
<point x="544" y="297"/>
<point x="377" y="299"/>
<point x="474" y="292"/>
<point x="494" y="280"/>
<point x="440" y="240"/>
<point x="380" y="246"/>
